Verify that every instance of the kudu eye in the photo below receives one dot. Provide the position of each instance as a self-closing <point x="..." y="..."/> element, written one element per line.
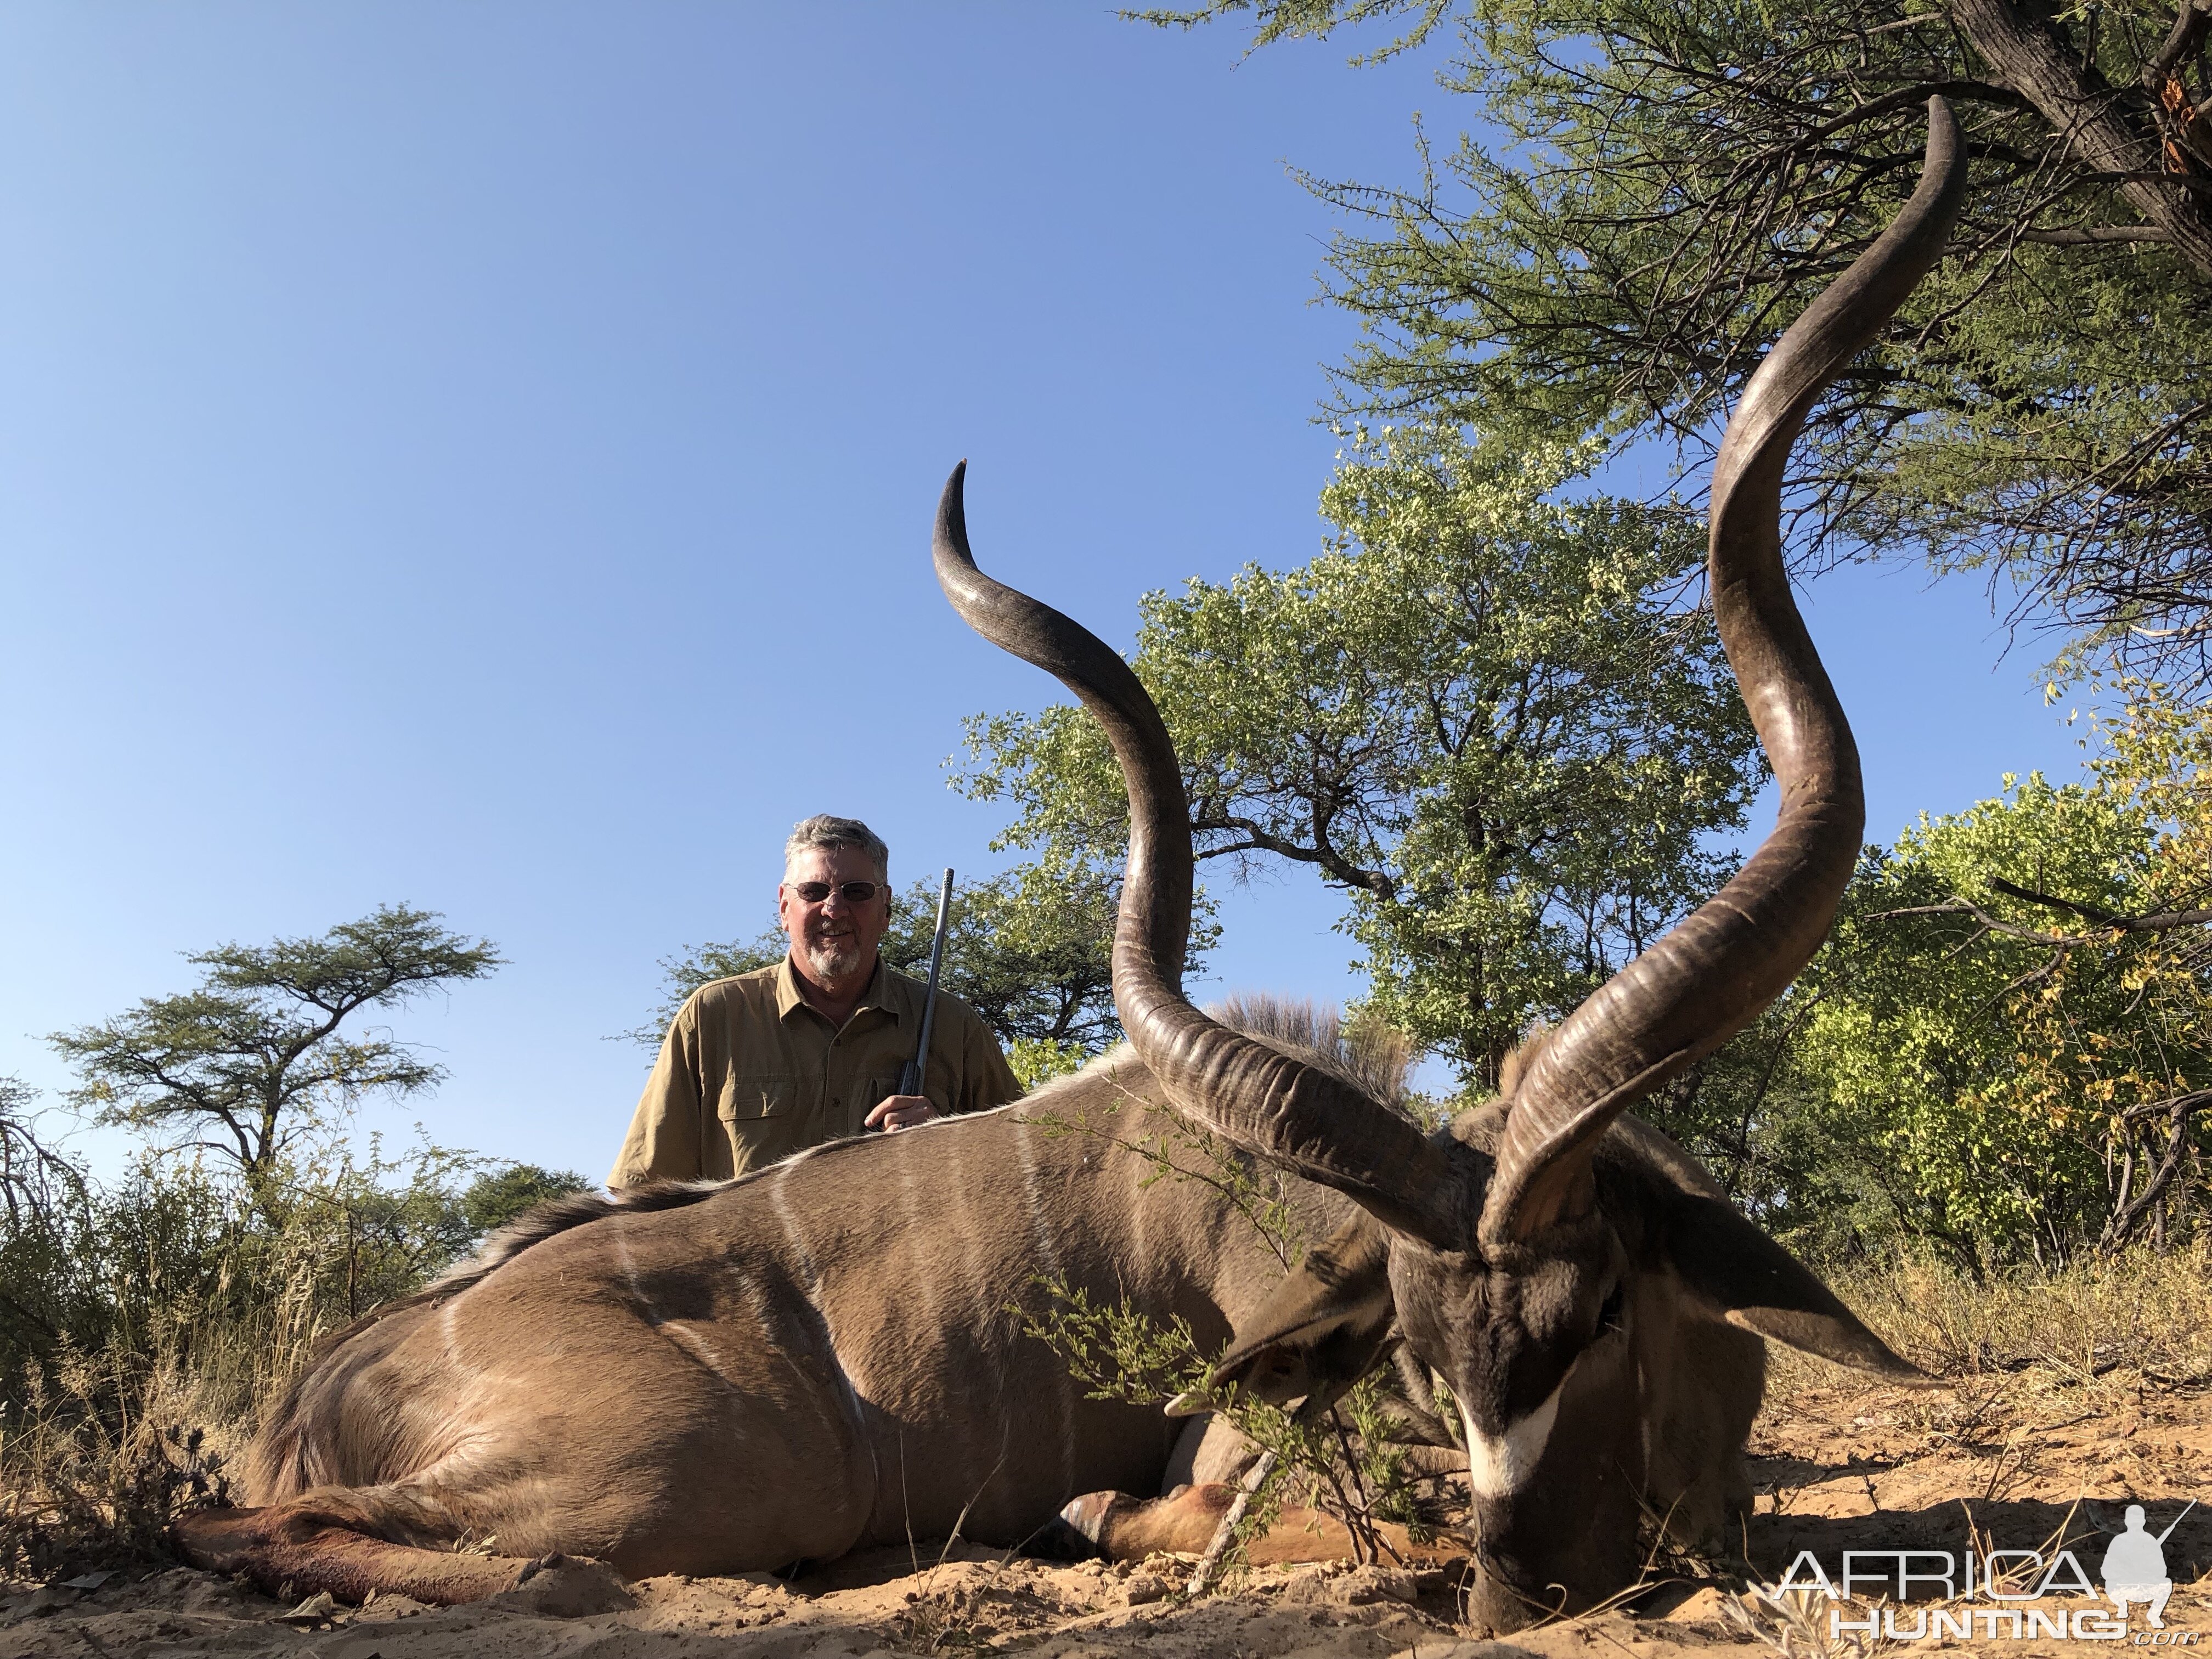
<point x="1608" y="1316"/>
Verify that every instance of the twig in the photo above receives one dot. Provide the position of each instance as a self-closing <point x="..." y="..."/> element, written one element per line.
<point x="1254" y="1477"/>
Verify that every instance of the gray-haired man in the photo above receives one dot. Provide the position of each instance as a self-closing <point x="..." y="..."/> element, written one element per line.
<point x="759" y="1066"/>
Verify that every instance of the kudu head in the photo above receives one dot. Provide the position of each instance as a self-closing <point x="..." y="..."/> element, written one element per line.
<point x="1524" y="1255"/>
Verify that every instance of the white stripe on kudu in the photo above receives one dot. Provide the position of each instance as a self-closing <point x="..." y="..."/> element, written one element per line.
<point x="1048" y="1253"/>
<point x="1499" y="1464"/>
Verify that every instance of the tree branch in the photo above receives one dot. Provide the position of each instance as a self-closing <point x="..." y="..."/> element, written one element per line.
<point x="2158" y="922"/>
<point x="2096" y="234"/>
<point x="1258" y="840"/>
<point x="2190" y="24"/>
<point x="2118" y="1230"/>
<point x="2025" y="45"/>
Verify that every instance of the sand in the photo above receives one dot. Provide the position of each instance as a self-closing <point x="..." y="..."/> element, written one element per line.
<point x="1840" y="1468"/>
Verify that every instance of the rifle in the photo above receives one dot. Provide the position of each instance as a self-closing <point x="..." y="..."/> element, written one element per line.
<point x="910" y="1080"/>
<point x="2176" y="1521"/>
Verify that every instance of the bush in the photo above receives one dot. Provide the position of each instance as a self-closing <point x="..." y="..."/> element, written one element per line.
<point x="146" y="1324"/>
<point x="2004" y="1054"/>
<point x="1342" y="1458"/>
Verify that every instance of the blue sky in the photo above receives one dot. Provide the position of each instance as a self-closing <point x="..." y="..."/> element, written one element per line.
<point x="483" y="456"/>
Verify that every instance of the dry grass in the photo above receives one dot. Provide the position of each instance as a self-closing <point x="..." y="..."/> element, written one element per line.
<point x="1795" y="1625"/>
<point x="2096" y="1330"/>
<point x="156" y="1322"/>
<point x="2024" y="1356"/>
<point x="97" y="1460"/>
<point x="100" y="1451"/>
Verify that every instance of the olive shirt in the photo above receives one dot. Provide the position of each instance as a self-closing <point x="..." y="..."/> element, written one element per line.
<point x="749" y="1073"/>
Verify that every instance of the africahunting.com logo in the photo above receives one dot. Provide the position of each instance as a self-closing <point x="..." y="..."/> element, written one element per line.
<point x="1948" y="1584"/>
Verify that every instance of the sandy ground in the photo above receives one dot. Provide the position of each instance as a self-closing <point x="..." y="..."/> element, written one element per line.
<point x="1840" y="1468"/>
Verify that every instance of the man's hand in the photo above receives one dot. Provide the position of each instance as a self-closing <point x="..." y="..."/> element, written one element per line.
<point x="902" y="1112"/>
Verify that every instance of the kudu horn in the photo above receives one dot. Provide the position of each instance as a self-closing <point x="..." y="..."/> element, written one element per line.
<point x="1713" y="973"/>
<point x="1670" y="1007"/>
<point x="1251" y="1094"/>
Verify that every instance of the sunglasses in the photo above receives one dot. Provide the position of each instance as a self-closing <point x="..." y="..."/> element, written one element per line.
<point x="853" y="892"/>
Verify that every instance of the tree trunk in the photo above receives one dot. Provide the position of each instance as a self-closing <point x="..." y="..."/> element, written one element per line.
<point x="2109" y="128"/>
<point x="2128" y="1217"/>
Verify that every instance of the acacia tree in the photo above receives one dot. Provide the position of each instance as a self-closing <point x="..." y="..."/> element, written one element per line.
<point x="1484" y="712"/>
<point x="254" y="1057"/>
<point x="1646" y="194"/>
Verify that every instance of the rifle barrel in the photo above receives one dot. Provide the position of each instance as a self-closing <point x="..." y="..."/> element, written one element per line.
<point x="2176" y="1521"/>
<point x="917" y="1070"/>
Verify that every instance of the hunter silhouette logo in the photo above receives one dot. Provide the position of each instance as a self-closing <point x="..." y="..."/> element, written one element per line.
<point x="2135" y="1567"/>
<point x="1940" y="1596"/>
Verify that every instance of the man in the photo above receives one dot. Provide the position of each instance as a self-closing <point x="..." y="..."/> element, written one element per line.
<point x="759" y="1066"/>
<point x="2135" y="1567"/>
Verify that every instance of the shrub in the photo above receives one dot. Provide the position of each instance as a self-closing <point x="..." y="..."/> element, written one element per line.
<point x="147" y="1322"/>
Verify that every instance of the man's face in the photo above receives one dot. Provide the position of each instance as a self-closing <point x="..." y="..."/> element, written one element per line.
<point x="834" y="939"/>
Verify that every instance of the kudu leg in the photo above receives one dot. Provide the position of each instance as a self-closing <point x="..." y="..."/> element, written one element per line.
<point x="1126" y="1529"/>
<point x="296" y="1550"/>
<point x="1209" y="1450"/>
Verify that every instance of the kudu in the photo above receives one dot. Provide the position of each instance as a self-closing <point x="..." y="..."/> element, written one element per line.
<point x="822" y="1355"/>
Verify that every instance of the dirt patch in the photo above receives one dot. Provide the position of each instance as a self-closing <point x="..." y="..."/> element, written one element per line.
<point x="971" y="1601"/>
<point x="1837" y="1468"/>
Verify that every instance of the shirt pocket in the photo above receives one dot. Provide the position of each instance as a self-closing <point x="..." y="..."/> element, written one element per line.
<point x="752" y="1098"/>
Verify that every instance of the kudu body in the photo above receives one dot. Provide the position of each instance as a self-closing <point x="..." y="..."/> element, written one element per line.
<point x="820" y="1355"/>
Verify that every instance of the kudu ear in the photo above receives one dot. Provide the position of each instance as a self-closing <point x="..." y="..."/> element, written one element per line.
<point x="1750" y="1281"/>
<point x="1323" y="1328"/>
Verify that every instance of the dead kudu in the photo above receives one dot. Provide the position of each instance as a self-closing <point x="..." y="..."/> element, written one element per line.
<point x="822" y="1355"/>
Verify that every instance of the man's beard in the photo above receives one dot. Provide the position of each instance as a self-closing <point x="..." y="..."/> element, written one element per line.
<point x="833" y="958"/>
